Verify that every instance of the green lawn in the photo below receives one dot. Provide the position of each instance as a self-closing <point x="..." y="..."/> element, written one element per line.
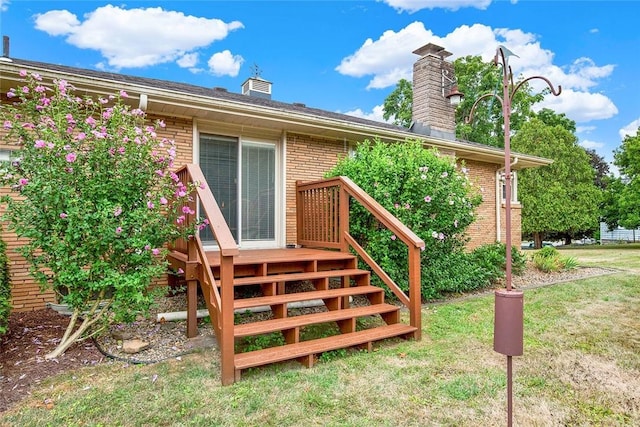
<point x="581" y="366"/>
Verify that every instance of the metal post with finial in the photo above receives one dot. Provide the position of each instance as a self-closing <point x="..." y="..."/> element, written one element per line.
<point x="509" y="303"/>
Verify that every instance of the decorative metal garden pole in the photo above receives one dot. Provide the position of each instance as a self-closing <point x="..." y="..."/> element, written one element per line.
<point x="509" y="303"/>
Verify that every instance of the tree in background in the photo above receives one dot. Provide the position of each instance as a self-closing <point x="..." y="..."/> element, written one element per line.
<point x="94" y="199"/>
<point x="560" y="198"/>
<point x="399" y="104"/>
<point x="622" y="197"/>
<point x="476" y="78"/>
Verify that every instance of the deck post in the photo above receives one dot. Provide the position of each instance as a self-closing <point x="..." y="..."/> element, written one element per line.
<point x="343" y="218"/>
<point x="227" y="350"/>
<point x="299" y="213"/>
<point x="415" y="297"/>
<point x="192" y="290"/>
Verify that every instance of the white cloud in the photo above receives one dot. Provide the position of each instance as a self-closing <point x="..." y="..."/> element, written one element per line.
<point x="135" y="37"/>
<point x="225" y="64"/>
<point x="416" y="5"/>
<point x="375" y="114"/>
<point x="594" y="30"/>
<point x="591" y="144"/>
<point x="389" y="58"/>
<point x="580" y="106"/>
<point x="188" y="60"/>
<point x="585" y="129"/>
<point x="630" y="130"/>
<point x="4" y="5"/>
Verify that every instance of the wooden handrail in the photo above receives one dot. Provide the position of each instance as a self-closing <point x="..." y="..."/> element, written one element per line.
<point x="220" y="302"/>
<point x="328" y="226"/>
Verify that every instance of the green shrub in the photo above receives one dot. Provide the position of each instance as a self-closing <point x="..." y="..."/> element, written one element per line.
<point x="492" y="257"/>
<point x="548" y="259"/>
<point x="430" y="194"/>
<point x="5" y="289"/>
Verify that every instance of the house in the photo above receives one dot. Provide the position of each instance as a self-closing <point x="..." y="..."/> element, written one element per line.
<point x="255" y="152"/>
<point x="290" y="142"/>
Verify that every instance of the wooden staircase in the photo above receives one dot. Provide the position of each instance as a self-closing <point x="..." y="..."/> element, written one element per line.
<point x="325" y="263"/>
<point x="278" y="279"/>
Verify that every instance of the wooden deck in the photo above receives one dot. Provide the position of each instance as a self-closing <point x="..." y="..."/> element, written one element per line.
<point x="326" y="266"/>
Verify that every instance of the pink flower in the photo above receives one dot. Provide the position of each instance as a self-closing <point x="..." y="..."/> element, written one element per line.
<point x="23" y="181"/>
<point x="71" y="157"/>
<point x="407" y="206"/>
<point x="90" y="121"/>
<point x="81" y="136"/>
<point x="121" y="150"/>
<point x="150" y="204"/>
<point x="123" y="94"/>
<point x="155" y="251"/>
<point x="147" y="247"/>
<point x="202" y="186"/>
<point x="118" y="230"/>
<point x="23" y="73"/>
<point x="7" y="124"/>
<point x="117" y="211"/>
<point x="63" y="215"/>
<point x="444" y="174"/>
<point x="180" y="271"/>
<point x="397" y="206"/>
<point x="180" y="219"/>
<point x="40" y="143"/>
<point x="161" y="123"/>
<point x="393" y="237"/>
<point x="163" y="201"/>
<point x="187" y="210"/>
<point x="441" y="236"/>
<point x="427" y="199"/>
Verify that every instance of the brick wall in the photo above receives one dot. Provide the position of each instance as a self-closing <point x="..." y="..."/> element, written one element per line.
<point x="483" y="230"/>
<point x="308" y="158"/>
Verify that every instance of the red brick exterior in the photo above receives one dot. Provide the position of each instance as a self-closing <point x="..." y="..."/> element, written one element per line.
<point x="307" y="158"/>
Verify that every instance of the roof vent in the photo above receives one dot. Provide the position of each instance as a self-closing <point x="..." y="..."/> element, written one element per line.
<point x="255" y="86"/>
<point x="220" y="89"/>
<point x="299" y="104"/>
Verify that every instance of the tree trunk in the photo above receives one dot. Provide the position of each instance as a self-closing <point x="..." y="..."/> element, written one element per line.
<point x="537" y="240"/>
<point x="70" y="336"/>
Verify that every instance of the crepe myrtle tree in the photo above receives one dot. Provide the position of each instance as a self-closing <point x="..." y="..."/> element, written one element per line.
<point x="95" y="199"/>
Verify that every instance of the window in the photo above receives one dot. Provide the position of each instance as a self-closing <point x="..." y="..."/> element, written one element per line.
<point x="514" y="186"/>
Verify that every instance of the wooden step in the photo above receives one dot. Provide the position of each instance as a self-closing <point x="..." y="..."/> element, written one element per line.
<point x="304" y="296"/>
<point x="307" y="348"/>
<point x="273" y="325"/>
<point x="294" y="277"/>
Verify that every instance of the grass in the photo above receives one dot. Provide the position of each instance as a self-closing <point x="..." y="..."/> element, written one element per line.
<point x="581" y="366"/>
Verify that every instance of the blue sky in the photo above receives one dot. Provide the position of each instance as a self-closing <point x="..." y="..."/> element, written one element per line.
<point x="347" y="56"/>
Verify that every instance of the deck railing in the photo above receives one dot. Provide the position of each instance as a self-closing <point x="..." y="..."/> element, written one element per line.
<point x="219" y="302"/>
<point x="322" y="220"/>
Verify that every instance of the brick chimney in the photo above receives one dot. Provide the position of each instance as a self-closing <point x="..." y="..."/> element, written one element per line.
<point x="432" y="113"/>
